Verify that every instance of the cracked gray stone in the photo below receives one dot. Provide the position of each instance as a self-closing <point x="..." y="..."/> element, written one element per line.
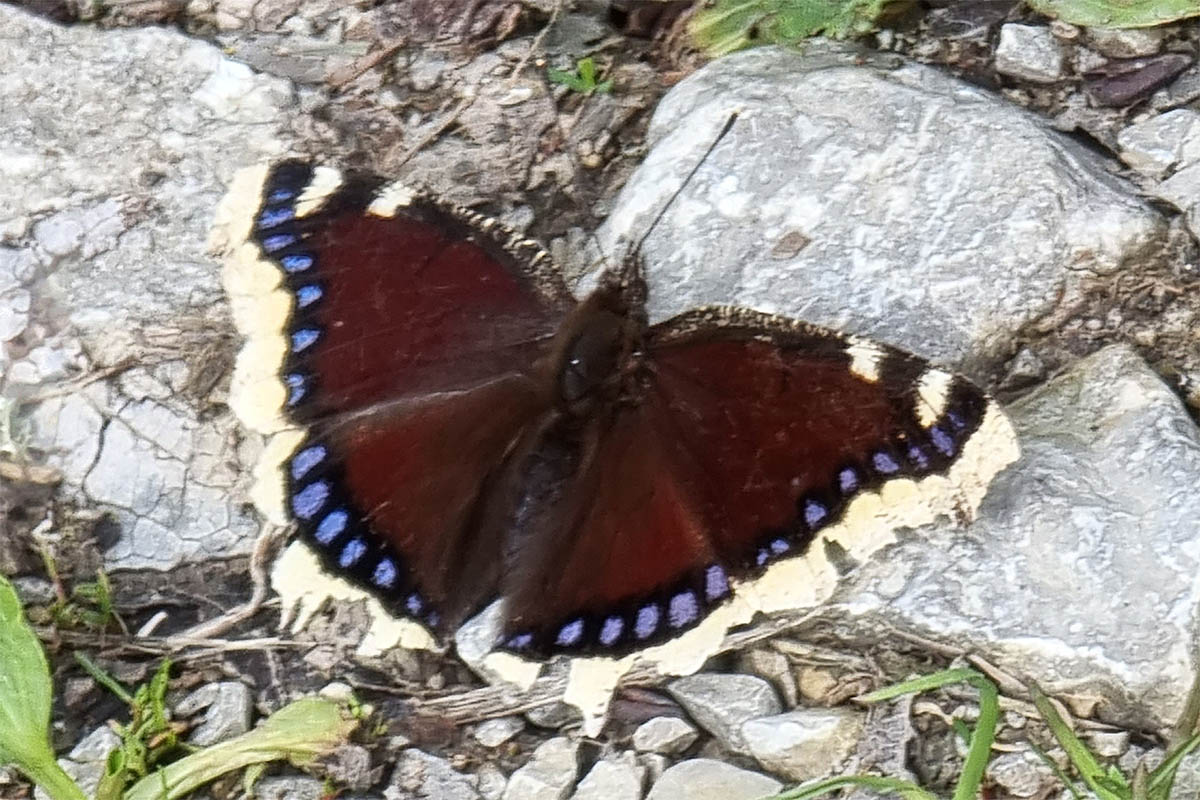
<point x="720" y="703"/>
<point x="491" y="781"/>
<point x="707" y="779"/>
<point x="1183" y="191"/>
<point x="669" y="735"/>
<point x="618" y="777"/>
<point x="495" y="732"/>
<point x="229" y="708"/>
<point x="85" y="763"/>
<point x="1031" y="53"/>
<point x="1091" y="533"/>
<point x="806" y="743"/>
<point x="421" y="776"/>
<point x="549" y="774"/>
<point x="1162" y="142"/>
<point x="105" y="254"/>
<point x="1126" y="42"/>
<point x="1021" y="774"/>
<point x="289" y="787"/>
<point x="941" y="222"/>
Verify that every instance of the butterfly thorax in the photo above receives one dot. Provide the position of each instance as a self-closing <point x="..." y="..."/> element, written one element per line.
<point x="598" y="354"/>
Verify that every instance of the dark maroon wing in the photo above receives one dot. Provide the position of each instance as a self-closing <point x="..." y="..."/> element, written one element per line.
<point x="410" y="348"/>
<point x="754" y="434"/>
<point x="406" y="300"/>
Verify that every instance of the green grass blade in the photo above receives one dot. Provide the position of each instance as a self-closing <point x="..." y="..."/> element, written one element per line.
<point x="1117" y="13"/>
<point x="980" y="750"/>
<point x="925" y="683"/>
<point x="25" y="695"/>
<point x="1106" y="784"/>
<point x="300" y="732"/>
<point x="890" y="786"/>
<point x="103" y="678"/>
<point x="1163" y="776"/>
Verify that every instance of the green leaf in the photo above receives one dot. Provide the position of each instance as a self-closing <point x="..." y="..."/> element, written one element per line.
<point x="300" y="732"/>
<point x="1117" y="13"/>
<point x="728" y="25"/>
<point x="25" y="695"/>
<point x="582" y="80"/>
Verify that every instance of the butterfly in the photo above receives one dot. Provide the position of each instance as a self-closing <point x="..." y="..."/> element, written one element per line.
<point x="452" y="426"/>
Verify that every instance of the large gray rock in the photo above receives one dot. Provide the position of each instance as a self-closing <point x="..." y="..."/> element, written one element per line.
<point x="228" y="706"/>
<point x="941" y="221"/>
<point x="721" y="703"/>
<point x="706" y="779"/>
<point x="549" y="775"/>
<point x="669" y="735"/>
<point x="615" y="778"/>
<point x="1087" y="538"/>
<point x="104" y="218"/>
<point x="422" y="776"/>
<point x="804" y="744"/>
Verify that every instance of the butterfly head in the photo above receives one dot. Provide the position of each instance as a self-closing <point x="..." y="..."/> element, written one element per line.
<point x="598" y="358"/>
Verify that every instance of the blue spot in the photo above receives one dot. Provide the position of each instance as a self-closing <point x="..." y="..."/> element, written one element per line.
<point x="779" y="547"/>
<point x="814" y="513"/>
<point x="884" y="462"/>
<point x="414" y="604"/>
<point x="275" y="216"/>
<point x="918" y="457"/>
<point x="848" y="480"/>
<point x="280" y="195"/>
<point x="957" y="421"/>
<point x="943" y="441"/>
<point x="762" y="557"/>
<point x="351" y="553"/>
<point x="296" y="388"/>
<point x="519" y="642"/>
<point x="570" y="634"/>
<point x="647" y="621"/>
<point x="683" y="609"/>
<point x="306" y="459"/>
<point x="432" y="619"/>
<point x="278" y="242"/>
<point x="304" y="338"/>
<point x="308" y="294"/>
<point x="385" y="574"/>
<point x="332" y="526"/>
<point x="296" y="262"/>
<point x="716" y="583"/>
<point x="309" y="500"/>
<point x="611" y="630"/>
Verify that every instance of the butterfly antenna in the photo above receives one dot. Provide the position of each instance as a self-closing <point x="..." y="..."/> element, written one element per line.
<point x="635" y="254"/>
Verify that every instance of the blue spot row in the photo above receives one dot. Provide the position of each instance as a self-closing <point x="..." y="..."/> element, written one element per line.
<point x="307" y="295"/>
<point x="296" y="262"/>
<point x="347" y="544"/>
<point x="306" y="459"/>
<point x="271" y="217"/>
<point x="678" y="611"/>
<point x="304" y="338"/>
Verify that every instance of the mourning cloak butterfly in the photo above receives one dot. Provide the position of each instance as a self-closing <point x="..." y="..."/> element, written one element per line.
<point x="452" y="426"/>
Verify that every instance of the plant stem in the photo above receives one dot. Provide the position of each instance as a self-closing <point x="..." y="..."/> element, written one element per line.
<point x="51" y="777"/>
